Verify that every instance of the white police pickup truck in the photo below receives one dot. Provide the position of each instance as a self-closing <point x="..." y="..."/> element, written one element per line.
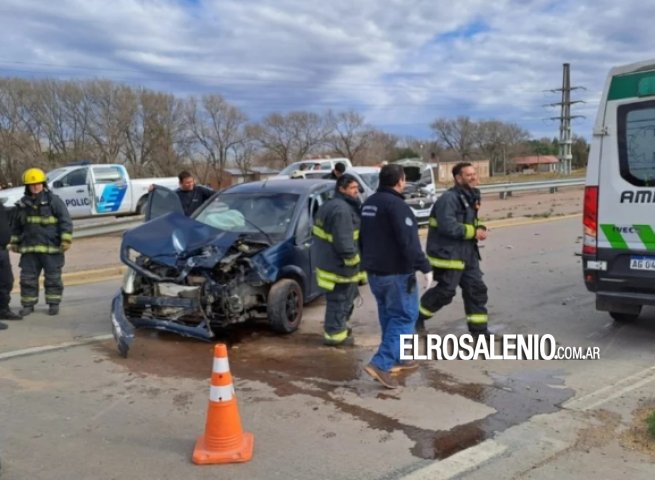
<point x="95" y="189"/>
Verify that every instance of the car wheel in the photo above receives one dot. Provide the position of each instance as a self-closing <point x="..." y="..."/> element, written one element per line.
<point x="624" y="317"/>
<point x="285" y="304"/>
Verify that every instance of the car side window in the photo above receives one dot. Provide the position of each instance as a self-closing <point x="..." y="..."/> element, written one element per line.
<point x="308" y="214"/>
<point x="74" y="178"/>
<point x="305" y="221"/>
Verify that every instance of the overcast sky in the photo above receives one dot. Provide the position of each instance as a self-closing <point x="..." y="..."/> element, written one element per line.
<point x="401" y="63"/>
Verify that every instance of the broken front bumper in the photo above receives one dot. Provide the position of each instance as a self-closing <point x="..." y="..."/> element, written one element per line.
<point x="123" y="326"/>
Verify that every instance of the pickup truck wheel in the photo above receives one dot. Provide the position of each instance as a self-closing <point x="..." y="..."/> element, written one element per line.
<point x="624" y="317"/>
<point x="285" y="305"/>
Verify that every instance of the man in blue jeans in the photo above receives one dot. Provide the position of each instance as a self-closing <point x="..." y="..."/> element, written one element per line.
<point x="391" y="255"/>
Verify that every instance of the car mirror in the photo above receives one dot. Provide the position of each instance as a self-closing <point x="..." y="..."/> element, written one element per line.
<point x="57" y="184"/>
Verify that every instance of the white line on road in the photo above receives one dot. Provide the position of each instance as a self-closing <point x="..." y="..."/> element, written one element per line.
<point x="48" y="348"/>
<point x="458" y="463"/>
<point x="610" y="392"/>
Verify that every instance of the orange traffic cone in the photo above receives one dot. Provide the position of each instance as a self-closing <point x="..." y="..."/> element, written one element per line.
<point x="223" y="441"/>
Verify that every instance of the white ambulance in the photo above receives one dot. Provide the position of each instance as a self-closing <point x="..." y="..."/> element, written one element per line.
<point x="619" y="202"/>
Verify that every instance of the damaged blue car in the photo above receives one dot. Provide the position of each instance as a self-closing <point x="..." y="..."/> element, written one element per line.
<point x="243" y="255"/>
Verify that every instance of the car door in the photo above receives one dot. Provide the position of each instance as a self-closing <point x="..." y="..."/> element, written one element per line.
<point x="109" y="186"/>
<point x="161" y="201"/>
<point x="305" y="256"/>
<point x="72" y="189"/>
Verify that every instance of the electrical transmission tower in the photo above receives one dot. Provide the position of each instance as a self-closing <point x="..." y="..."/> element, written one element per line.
<point x="564" y="118"/>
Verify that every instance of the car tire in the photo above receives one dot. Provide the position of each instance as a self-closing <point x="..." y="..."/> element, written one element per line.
<point x="624" y="317"/>
<point x="285" y="305"/>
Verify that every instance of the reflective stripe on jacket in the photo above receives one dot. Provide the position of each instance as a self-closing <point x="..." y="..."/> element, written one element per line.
<point x="335" y="247"/>
<point x="451" y="229"/>
<point x="42" y="224"/>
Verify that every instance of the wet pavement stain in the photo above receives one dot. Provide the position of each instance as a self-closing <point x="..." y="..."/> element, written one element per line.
<point x="299" y="364"/>
<point x="515" y="398"/>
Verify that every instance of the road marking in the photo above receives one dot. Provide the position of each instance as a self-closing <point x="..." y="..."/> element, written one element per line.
<point x="49" y="348"/>
<point x="458" y="463"/>
<point x="610" y="392"/>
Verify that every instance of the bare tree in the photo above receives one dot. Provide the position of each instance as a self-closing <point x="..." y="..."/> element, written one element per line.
<point x="498" y="141"/>
<point x="20" y="133"/>
<point x="154" y="134"/>
<point x="350" y="135"/>
<point x="217" y="129"/>
<point x="459" y="135"/>
<point x="288" y="138"/>
<point x="380" y="147"/>
<point x="113" y="108"/>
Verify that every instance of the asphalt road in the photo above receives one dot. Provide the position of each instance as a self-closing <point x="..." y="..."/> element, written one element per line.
<point x="70" y="407"/>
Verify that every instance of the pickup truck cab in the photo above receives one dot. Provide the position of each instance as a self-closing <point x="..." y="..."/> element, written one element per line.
<point x="95" y="190"/>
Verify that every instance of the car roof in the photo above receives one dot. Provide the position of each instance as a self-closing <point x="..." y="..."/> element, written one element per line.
<point x="298" y="186"/>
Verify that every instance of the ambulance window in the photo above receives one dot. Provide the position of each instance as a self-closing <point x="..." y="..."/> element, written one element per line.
<point x="636" y="137"/>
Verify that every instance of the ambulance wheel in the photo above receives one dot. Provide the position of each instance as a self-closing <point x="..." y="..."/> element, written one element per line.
<point x="625" y="317"/>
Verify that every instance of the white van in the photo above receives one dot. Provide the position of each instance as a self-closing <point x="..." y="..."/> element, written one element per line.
<point x="619" y="202"/>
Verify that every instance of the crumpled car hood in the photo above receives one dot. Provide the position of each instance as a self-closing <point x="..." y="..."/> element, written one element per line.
<point x="155" y="238"/>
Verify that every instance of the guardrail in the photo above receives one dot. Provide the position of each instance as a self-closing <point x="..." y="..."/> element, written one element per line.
<point x="116" y="225"/>
<point x="505" y="189"/>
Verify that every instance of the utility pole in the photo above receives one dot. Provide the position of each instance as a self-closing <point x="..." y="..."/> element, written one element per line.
<point x="565" y="120"/>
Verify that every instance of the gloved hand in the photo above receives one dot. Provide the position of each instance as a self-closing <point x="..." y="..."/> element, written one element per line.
<point x="428" y="279"/>
<point x="65" y="246"/>
<point x="14" y="247"/>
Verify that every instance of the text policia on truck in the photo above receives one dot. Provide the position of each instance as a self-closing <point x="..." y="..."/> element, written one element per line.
<point x="619" y="225"/>
<point x="90" y="190"/>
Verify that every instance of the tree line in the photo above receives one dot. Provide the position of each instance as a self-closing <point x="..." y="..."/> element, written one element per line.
<point x="50" y="123"/>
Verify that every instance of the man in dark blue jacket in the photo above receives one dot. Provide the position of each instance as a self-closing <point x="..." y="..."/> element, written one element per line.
<point x="391" y="255"/>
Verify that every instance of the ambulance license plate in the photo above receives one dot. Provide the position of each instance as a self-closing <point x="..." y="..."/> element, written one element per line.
<point x="642" y="263"/>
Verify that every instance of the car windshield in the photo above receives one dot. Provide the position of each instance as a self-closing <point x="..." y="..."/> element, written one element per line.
<point x="250" y="213"/>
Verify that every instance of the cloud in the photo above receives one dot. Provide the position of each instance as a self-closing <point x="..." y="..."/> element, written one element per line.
<point x="400" y="63"/>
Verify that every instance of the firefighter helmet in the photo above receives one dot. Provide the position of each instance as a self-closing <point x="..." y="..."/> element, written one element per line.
<point x="33" y="175"/>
